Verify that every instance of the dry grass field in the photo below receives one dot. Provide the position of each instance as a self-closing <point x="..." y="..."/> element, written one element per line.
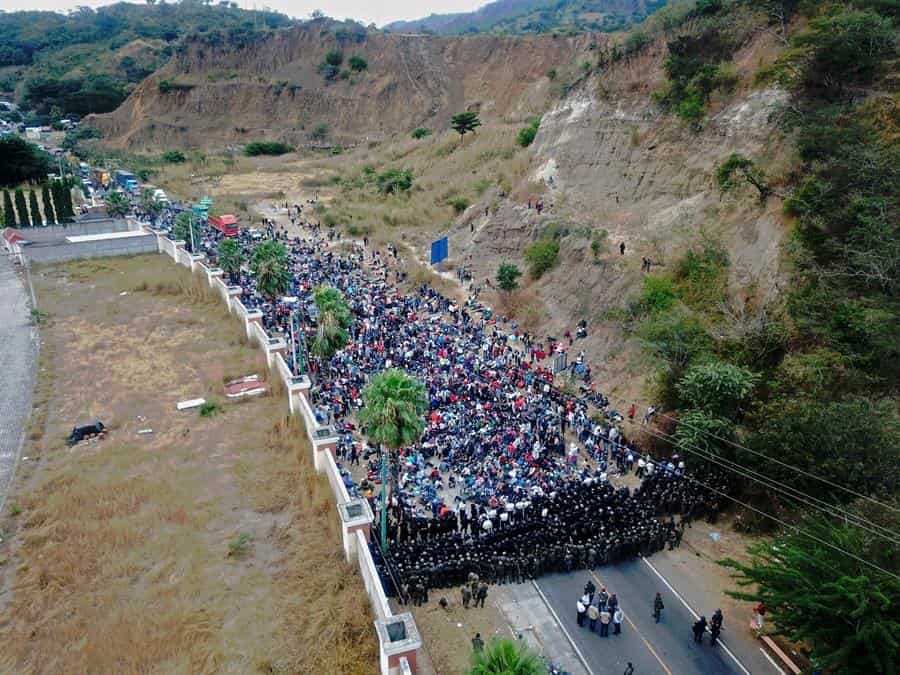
<point x="208" y="545"/>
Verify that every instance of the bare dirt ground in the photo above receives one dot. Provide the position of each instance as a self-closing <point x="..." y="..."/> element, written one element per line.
<point x="208" y="545"/>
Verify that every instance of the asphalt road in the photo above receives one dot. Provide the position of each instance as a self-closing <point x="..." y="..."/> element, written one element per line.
<point x="18" y="353"/>
<point x="666" y="648"/>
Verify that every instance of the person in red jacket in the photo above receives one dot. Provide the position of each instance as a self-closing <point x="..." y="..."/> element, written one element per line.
<point x="760" y="610"/>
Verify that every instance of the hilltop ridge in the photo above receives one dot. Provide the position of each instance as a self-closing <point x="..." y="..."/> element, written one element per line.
<point x="216" y="92"/>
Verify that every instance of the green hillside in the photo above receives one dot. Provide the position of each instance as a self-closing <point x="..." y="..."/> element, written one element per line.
<point x="88" y="60"/>
<point x="535" y="16"/>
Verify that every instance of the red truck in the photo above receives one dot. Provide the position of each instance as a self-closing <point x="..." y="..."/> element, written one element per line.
<point x="227" y="224"/>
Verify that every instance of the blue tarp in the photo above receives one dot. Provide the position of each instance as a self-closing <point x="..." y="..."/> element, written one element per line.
<point x="439" y="250"/>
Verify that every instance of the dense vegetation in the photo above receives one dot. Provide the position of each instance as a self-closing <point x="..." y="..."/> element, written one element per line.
<point x="88" y="60"/>
<point x="513" y="17"/>
<point x="267" y="148"/>
<point x="798" y="398"/>
<point x="21" y="161"/>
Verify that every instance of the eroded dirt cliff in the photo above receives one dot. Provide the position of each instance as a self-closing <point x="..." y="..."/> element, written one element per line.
<point x="272" y="89"/>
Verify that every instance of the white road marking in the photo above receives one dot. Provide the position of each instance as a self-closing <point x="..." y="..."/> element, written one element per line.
<point x="772" y="661"/>
<point x="563" y="629"/>
<point x="694" y="614"/>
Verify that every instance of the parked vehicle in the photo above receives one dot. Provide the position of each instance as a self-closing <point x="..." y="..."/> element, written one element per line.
<point x="87" y="430"/>
<point x="226" y="224"/>
<point x="126" y="181"/>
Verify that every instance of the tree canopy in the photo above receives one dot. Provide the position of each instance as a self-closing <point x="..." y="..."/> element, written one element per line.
<point x="21" y="161"/>
<point x="270" y="267"/>
<point x="846" y="610"/>
<point x="502" y="656"/>
<point x="464" y="122"/>
<point x="230" y="257"/>
<point x="117" y="205"/>
<point x="394" y="406"/>
<point x="508" y="276"/>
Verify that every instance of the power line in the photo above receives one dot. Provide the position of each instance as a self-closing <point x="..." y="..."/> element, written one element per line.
<point x="792" y="493"/>
<point x="784" y="464"/>
<point x="797" y="529"/>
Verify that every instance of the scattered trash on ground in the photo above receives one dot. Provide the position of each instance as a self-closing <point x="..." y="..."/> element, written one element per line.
<point x="190" y="403"/>
<point x="81" y="432"/>
<point x="144" y="432"/>
<point x="715" y="536"/>
<point x="250" y="385"/>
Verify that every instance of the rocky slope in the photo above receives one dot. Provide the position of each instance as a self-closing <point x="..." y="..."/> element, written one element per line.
<point x="272" y="88"/>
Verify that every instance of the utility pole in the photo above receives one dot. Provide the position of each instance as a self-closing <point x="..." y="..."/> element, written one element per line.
<point x="294" y="342"/>
<point x="191" y="228"/>
<point x="384" y="480"/>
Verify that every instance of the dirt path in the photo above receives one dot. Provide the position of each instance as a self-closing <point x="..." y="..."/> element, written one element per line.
<point x="18" y="356"/>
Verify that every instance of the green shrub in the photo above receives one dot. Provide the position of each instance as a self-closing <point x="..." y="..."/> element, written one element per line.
<point x="257" y="148"/>
<point x="658" y="294"/>
<point x="239" y="546"/>
<point x="542" y="256"/>
<point x="701" y="275"/>
<point x="508" y="276"/>
<point x="357" y="63"/>
<point x="459" y="204"/>
<point x="174" y="157"/>
<point x="527" y="133"/>
<point x="394" y="181"/>
<point x="421" y="132"/>
<point x="166" y="86"/>
<point x="210" y="409"/>
<point x="551" y="73"/>
<point x="334" y="58"/>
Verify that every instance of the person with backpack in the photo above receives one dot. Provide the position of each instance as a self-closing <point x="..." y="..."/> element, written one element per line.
<point x="658" y="607"/>
<point x="699" y="629"/>
<point x="715" y="627"/>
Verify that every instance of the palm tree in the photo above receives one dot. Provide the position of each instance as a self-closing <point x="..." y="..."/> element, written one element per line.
<point x="393" y="407"/>
<point x="270" y="267"/>
<point x="330" y="301"/>
<point x="506" y="657"/>
<point x="116" y="205"/>
<point x="150" y="204"/>
<point x="230" y="257"/>
<point x="334" y="320"/>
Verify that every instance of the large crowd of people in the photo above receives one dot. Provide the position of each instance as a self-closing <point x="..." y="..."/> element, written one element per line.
<point x="511" y="477"/>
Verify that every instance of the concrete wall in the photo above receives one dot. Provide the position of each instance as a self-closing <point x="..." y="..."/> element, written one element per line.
<point x="395" y="658"/>
<point x="60" y="232"/>
<point x="48" y="253"/>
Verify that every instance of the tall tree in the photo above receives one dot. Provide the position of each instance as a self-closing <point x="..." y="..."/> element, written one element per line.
<point x="150" y="204"/>
<point x="230" y="258"/>
<point x="117" y="205"/>
<point x="49" y="216"/>
<point x="464" y="122"/>
<point x="393" y="407"/>
<point x="506" y="657"/>
<point x="22" y="161"/>
<point x="334" y="320"/>
<point x="21" y="208"/>
<point x="508" y="276"/>
<point x="9" y="213"/>
<point x="62" y="200"/>
<point x="818" y="591"/>
<point x="270" y="267"/>
<point x="35" y="211"/>
<point x="66" y="194"/>
<point x="182" y="229"/>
